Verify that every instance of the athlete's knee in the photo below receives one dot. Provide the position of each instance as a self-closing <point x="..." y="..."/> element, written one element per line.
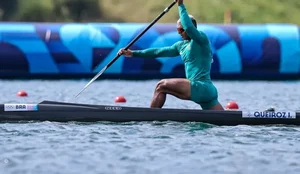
<point x="161" y="86"/>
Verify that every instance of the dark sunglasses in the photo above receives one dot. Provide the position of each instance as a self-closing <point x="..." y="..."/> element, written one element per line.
<point x="180" y="30"/>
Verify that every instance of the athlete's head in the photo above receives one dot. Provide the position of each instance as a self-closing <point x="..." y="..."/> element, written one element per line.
<point x="181" y="31"/>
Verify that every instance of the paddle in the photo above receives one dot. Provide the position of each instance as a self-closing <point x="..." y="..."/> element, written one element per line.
<point x="129" y="45"/>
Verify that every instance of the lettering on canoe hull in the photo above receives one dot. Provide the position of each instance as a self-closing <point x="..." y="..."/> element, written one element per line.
<point x="270" y="115"/>
<point x="113" y="108"/>
<point x="20" y="107"/>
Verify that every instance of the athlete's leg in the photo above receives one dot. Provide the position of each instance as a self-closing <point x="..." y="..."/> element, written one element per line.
<point x="217" y="107"/>
<point x="205" y="94"/>
<point x="178" y="87"/>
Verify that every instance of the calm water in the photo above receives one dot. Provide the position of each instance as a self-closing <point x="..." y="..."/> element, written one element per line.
<point x="149" y="147"/>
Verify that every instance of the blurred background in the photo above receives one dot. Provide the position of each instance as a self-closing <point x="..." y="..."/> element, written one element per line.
<point x="77" y="38"/>
<point x="206" y="11"/>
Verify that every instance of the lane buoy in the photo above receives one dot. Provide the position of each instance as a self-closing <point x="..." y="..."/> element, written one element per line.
<point x="120" y="99"/>
<point x="22" y="94"/>
<point x="232" y="105"/>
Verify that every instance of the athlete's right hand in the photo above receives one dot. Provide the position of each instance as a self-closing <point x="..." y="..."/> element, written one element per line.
<point x="179" y="1"/>
<point x="126" y="53"/>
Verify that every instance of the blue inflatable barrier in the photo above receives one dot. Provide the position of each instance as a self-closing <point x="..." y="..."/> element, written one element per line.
<point x="58" y="50"/>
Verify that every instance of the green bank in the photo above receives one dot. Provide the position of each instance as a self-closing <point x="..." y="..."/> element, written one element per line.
<point x="206" y="11"/>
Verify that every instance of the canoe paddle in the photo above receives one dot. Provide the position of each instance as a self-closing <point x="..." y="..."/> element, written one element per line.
<point x="129" y="45"/>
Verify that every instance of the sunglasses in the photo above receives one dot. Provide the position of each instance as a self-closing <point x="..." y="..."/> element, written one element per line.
<point x="180" y="30"/>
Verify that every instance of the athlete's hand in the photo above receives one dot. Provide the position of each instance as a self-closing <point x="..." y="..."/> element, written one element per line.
<point x="126" y="53"/>
<point x="179" y="1"/>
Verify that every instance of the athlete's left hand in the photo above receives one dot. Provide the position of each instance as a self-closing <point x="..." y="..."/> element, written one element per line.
<point x="126" y="53"/>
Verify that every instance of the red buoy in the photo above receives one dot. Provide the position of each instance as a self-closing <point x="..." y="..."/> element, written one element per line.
<point x="120" y="99"/>
<point x="232" y="105"/>
<point x="22" y="94"/>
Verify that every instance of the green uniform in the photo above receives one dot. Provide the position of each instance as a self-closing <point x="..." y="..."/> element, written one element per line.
<point x="197" y="57"/>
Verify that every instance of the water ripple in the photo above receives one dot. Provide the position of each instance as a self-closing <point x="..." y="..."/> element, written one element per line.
<point x="149" y="147"/>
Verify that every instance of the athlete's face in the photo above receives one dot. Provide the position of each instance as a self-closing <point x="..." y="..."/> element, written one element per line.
<point x="181" y="31"/>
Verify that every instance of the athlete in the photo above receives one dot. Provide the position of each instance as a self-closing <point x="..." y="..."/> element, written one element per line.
<point x="196" y="54"/>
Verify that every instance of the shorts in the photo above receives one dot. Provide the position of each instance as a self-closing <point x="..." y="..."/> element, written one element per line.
<point x="204" y="93"/>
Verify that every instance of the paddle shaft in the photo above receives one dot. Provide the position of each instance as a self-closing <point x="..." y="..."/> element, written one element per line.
<point x="142" y="33"/>
<point x="129" y="45"/>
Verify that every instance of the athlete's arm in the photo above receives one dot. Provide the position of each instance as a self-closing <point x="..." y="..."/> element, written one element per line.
<point x="189" y="27"/>
<point x="157" y="52"/>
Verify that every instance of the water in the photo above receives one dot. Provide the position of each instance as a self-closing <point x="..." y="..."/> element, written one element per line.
<point x="149" y="147"/>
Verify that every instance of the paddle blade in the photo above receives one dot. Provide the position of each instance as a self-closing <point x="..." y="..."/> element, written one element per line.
<point x="93" y="79"/>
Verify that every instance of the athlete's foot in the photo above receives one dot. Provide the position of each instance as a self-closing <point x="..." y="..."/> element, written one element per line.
<point x="217" y="107"/>
<point x="271" y="109"/>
